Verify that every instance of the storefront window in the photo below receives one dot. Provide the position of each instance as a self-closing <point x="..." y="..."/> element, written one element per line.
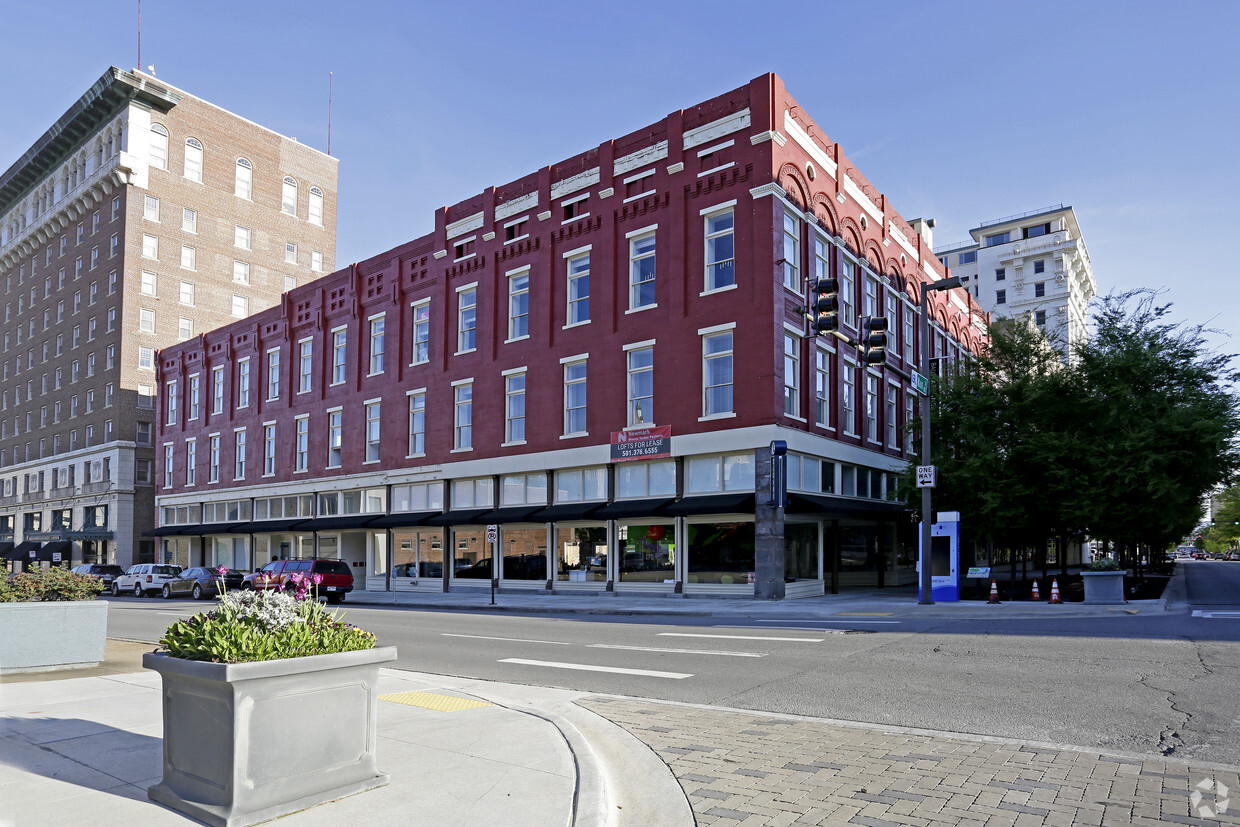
<point x="646" y="479"/>
<point x="721" y="552"/>
<point x="471" y="557"/>
<point x="580" y="484"/>
<point x="801" y="551"/>
<point x="418" y="553"/>
<point x="424" y="496"/>
<point x="649" y="552"/>
<point x="581" y="554"/>
<point x="525" y="553"/>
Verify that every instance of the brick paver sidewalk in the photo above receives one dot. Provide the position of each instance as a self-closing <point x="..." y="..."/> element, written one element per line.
<point x="753" y="769"/>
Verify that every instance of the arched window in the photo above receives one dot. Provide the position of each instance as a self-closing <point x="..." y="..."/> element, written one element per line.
<point x="288" y="198"/>
<point x="193" y="160"/>
<point x="316" y="206"/>
<point x="159" y="146"/>
<point x="245" y="179"/>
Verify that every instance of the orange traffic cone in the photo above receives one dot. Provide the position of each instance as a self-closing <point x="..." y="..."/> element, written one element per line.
<point x="1035" y="595"/>
<point x="994" y="593"/>
<point x="1055" y="592"/>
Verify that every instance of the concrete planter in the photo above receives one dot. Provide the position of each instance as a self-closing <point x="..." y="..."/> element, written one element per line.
<point x="1102" y="587"/>
<point x="248" y="742"/>
<point x="40" y="637"/>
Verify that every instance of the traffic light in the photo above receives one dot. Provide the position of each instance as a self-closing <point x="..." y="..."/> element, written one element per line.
<point x="826" y="305"/>
<point x="874" y="341"/>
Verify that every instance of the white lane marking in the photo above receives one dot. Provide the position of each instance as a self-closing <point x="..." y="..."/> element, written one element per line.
<point x="744" y="637"/>
<point x="587" y="668"/>
<point x="676" y="651"/>
<point x="850" y="621"/>
<point x="510" y="639"/>
<point x="174" y="614"/>
<point x="1216" y="615"/>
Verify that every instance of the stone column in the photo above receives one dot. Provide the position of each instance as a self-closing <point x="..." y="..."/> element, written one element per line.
<point x="768" y="534"/>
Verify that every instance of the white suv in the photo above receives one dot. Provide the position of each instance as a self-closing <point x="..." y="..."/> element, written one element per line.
<point x="144" y="578"/>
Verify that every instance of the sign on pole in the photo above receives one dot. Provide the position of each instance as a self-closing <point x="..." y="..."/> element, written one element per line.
<point x="927" y="476"/>
<point x="921" y="384"/>
<point x="492" y="533"/>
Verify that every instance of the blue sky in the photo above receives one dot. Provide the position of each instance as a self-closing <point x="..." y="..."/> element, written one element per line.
<point x="960" y="111"/>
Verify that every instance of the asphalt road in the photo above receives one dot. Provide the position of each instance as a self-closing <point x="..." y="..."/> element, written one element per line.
<point x="1153" y="683"/>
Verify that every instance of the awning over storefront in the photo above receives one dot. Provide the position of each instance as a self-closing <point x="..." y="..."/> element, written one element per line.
<point x="465" y="516"/>
<point x="407" y="519"/>
<point x="566" y="511"/>
<point x="22" y="550"/>
<point x="5" y="548"/>
<point x="266" y="526"/>
<point x="510" y="514"/>
<point x="166" y="531"/>
<point x="842" y="507"/>
<point x="622" y="509"/>
<point x="335" y="523"/>
<point x="89" y="534"/>
<point x="208" y="528"/>
<point x="737" y="503"/>
<point x="57" y="551"/>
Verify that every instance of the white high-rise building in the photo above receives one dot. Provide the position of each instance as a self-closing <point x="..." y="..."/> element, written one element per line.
<point x="1033" y="266"/>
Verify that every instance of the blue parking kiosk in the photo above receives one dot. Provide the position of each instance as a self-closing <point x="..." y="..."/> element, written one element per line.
<point x="944" y="558"/>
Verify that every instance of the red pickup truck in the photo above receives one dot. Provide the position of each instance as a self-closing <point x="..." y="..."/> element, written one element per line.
<point x="337" y="578"/>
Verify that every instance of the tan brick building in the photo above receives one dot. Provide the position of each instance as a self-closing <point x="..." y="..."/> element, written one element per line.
<point x="144" y="216"/>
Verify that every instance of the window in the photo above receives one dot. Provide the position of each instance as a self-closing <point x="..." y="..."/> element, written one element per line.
<point x="997" y="238"/>
<point x="579" y="289"/>
<point x="315" y="214"/>
<point x="463" y="417"/>
<point x="239" y="456"/>
<point x="339" y="354"/>
<point x="908" y="333"/>
<point x="717" y="373"/>
<point x="185" y="328"/>
<point x="966" y="258"/>
<point x="373" y="423"/>
<point x="241" y="272"/>
<point x="187" y="293"/>
<point x="150" y="246"/>
<point x="193" y="160"/>
<point x="146" y="320"/>
<point x="850" y="399"/>
<point x="213" y="458"/>
<point x="269" y="449"/>
<point x="575" y="387"/>
<point x="1000" y="297"/>
<point x="1039" y="289"/>
<point x="217" y="389"/>
<point x="194" y="389"/>
<point x="641" y="271"/>
<point x="1037" y="230"/>
<point x="150" y="208"/>
<point x="641" y="385"/>
<point x="143" y="433"/>
<point x="720" y="250"/>
<point x="376" y="345"/>
<point x="316" y="261"/>
<point x="241" y="237"/>
<point x="301" y="447"/>
<point x="792" y="252"/>
<point x="288" y="197"/>
<point x="114" y="245"/>
<point x="335" y="437"/>
<point x="189" y="258"/>
<point x="290" y="253"/>
<point x="240" y="306"/>
<point x="191" y="460"/>
<point x="516" y="229"/>
<point x="189" y="220"/>
<point x="1039" y="266"/>
<point x="305" y="351"/>
<point x="417" y="423"/>
<point x="848" y="284"/>
<point x="467" y="318"/>
<point x="1000" y="273"/>
<point x="1040" y="318"/>
<point x="792" y="375"/>
<point x="514" y="408"/>
<point x="172" y="402"/>
<point x="822" y="387"/>
<point x="871" y="407"/>
<point x="871" y="296"/>
<point x="159" y="147"/>
<point x="519" y="305"/>
<point x="243" y="383"/>
<point x="421" y="332"/>
<point x="273" y="374"/>
<point x="244" y="184"/>
<point x="893" y="424"/>
<point x="168" y="455"/>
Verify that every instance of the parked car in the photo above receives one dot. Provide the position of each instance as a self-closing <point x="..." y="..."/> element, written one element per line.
<point x="426" y="568"/>
<point x="337" y="577"/>
<point x="144" y="578"/>
<point x="201" y="582"/>
<point x="1233" y="555"/>
<point x="105" y="574"/>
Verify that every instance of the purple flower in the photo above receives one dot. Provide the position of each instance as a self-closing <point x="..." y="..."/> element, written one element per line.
<point x="223" y="570"/>
<point x="316" y="579"/>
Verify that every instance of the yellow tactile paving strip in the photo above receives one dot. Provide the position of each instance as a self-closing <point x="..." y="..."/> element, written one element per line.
<point x="430" y="700"/>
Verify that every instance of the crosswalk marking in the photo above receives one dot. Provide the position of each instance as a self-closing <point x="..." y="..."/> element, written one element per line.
<point x="583" y="667"/>
<point x="677" y="651"/>
<point x="1216" y="615"/>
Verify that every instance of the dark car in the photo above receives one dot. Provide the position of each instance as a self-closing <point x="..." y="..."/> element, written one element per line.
<point x="202" y="583"/>
<point x="105" y="574"/>
<point x="337" y="577"/>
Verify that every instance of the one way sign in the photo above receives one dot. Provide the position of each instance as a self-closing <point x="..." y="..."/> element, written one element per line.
<point x="927" y="476"/>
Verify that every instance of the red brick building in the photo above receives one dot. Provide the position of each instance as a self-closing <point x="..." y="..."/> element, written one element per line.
<point x="596" y="358"/>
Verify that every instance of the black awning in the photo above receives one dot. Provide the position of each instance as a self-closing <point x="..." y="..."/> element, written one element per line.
<point x="265" y="526"/>
<point x="566" y="511"/>
<point x="165" y="531"/>
<point x="208" y="528"/>
<point x="622" y="509"/>
<point x="61" y="547"/>
<point x="21" y="551"/>
<point x="738" y="503"/>
<point x="465" y="516"/>
<point x="826" y="506"/>
<point x="335" y="523"/>
<point x="5" y="548"/>
<point x="408" y="519"/>
<point x="510" y="514"/>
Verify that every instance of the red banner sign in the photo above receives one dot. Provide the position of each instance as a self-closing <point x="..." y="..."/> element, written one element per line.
<point x="641" y="443"/>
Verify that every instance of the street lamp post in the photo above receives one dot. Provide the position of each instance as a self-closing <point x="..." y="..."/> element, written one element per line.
<point x="927" y="598"/>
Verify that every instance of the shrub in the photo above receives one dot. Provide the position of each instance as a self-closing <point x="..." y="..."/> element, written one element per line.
<point x="1103" y="564"/>
<point x="55" y="583"/>
<point x="251" y="626"/>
